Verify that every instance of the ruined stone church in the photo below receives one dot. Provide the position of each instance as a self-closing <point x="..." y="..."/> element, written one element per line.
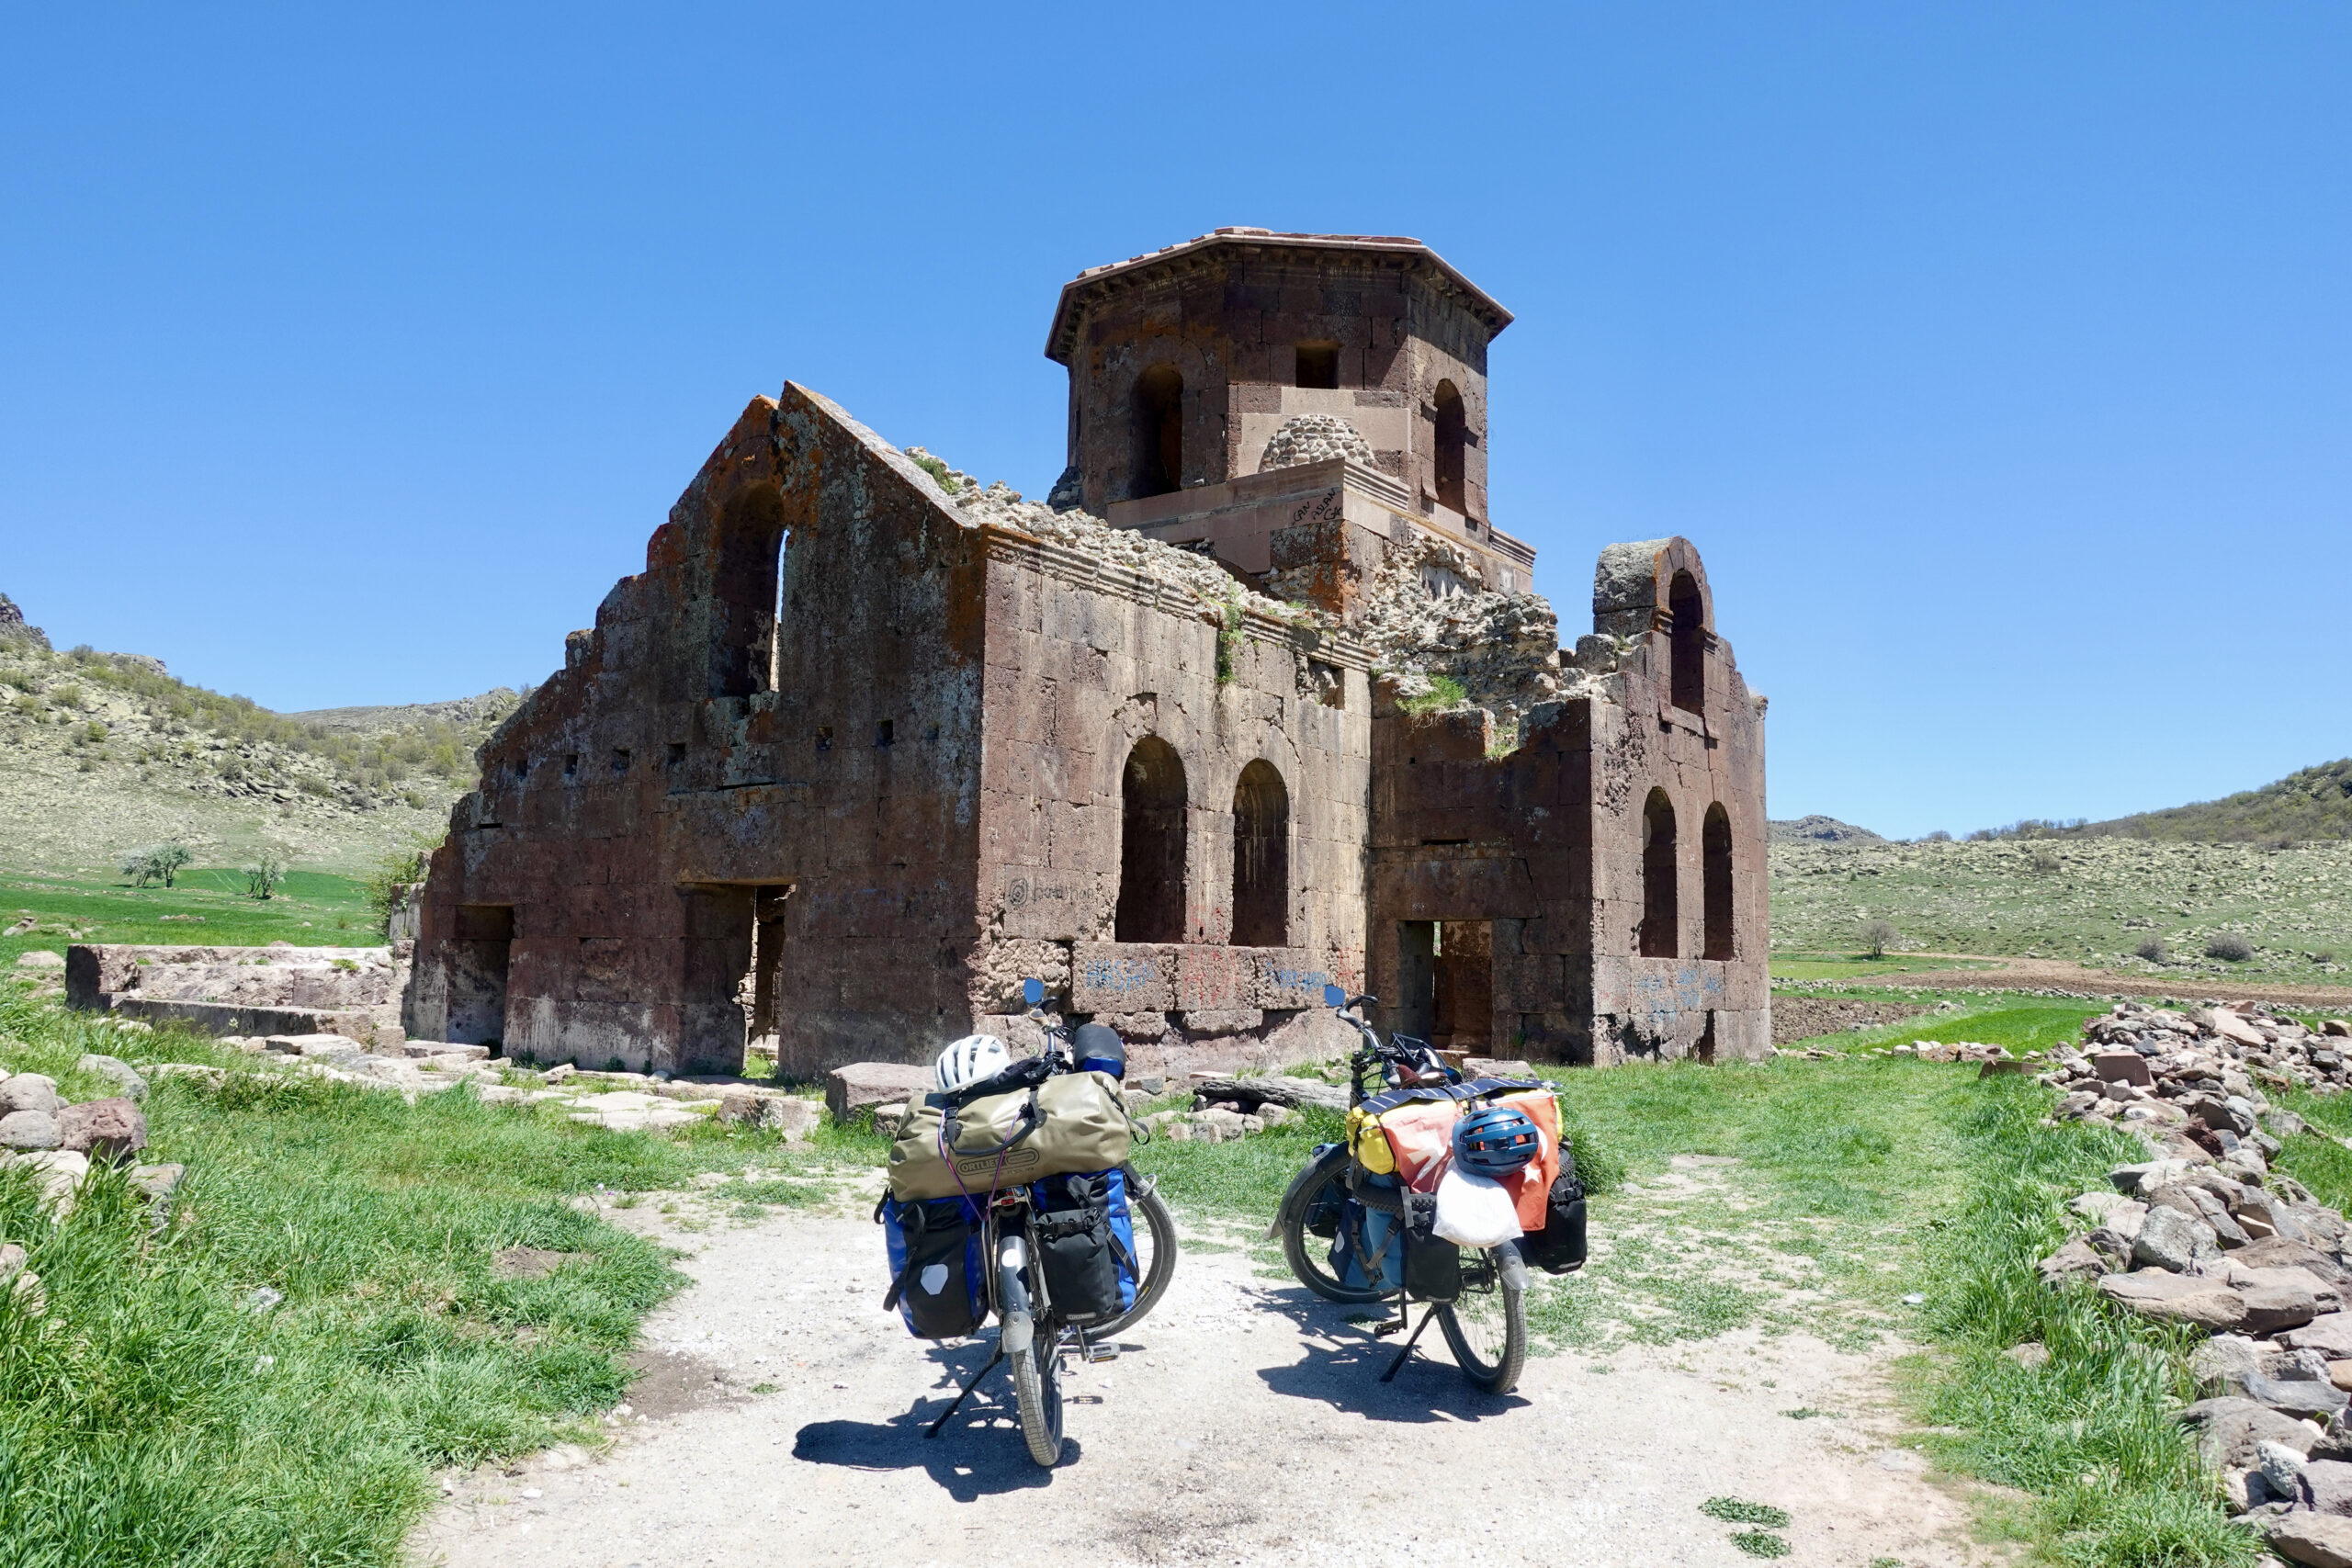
<point x="1261" y="697"/>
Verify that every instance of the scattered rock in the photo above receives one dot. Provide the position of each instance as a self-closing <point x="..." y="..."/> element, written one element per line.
<point x="2075" y="1261"/>
<point x="30" y="1091"/>
<point x="2171" y="1240"/>
<point x="2033" y="1355"/>
<point x="2229" y="1428"/>
<point x="41" y="958"/>
<point x="2327" y="1483"/>
<point x="28" y="1130"/>
<point x="124" y="1075"/>
<point x="2176" y="1298"/>
<point x="2314" y="1539"/>
<point x="110" y="1129"/>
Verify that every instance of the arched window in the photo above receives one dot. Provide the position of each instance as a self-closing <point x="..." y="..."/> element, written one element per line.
<point x="1151" y="845"/>
<point x="1261" y="858"/>
<point x="1159" y="462"/>
<point x="1659" y="937"/>
<point x="1453" y="440"/>
<point x="1688" y="613"/>
<point x="1715" y="845"/>
<point x="746" y="576"/>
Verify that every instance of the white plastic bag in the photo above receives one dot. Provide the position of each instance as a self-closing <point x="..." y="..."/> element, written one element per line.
<point x="1474" y="1211"/>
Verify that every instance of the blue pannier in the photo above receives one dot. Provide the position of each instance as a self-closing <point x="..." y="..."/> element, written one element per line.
<point x="936" y="1280"/>
<point x="1368" y="1246"/>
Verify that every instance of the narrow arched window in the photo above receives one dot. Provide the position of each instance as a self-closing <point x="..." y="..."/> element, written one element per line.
<point x="1452" y="444"/>
<point x="1261" y="858"/>
<point x="1714" y="844"/>
<point x="1660" y="933"/>
<point x="1158" y="465"/>
<point x="1151" y="845"/>
<point x="1688" y="611"/>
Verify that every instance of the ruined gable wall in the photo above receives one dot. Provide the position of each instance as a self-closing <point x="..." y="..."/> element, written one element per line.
<point x="628" y="814"/>
<point x="1084" y="661"/>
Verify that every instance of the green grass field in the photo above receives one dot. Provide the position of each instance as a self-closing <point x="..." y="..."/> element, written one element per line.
<point x="271" y="1380"/>
<point x="209" y="907"/>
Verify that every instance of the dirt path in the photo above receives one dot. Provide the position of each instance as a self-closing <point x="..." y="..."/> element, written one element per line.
<point x="1243" y="1424"/>
<point x="2057" y="973"/>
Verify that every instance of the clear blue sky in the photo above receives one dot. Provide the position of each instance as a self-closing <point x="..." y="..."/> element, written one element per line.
<point x="1997" y="356"/>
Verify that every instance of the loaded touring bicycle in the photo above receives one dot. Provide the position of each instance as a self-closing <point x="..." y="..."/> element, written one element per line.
<point x="1443" y="1192"/>
<point x="1009" y="1198"/>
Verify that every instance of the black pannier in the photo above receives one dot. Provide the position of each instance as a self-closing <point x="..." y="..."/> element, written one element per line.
<point x="1432" y="1265"/>
<point x="1558" y="1247"/>
<point x="1087" y="1263"/>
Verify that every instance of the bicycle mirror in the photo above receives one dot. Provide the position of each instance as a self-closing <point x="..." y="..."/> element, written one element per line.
<point x="1033" y="991"/>
<point x="1334" y="997"/>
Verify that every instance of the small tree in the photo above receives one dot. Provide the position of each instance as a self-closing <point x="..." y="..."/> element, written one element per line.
<point x="140" y="866"/>
<point x="168" y="858"/>
<point x="1880" y="935"/>
<point x="263" y="877"/>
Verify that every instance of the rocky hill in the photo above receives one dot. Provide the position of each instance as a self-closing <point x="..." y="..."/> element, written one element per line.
<point x="1818" y="829"/>
<point x="101" y="753"/>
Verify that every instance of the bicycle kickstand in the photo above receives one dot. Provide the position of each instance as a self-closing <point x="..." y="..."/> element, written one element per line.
<point x="1398" y="1364"/>
<point x="932" y="1430"/>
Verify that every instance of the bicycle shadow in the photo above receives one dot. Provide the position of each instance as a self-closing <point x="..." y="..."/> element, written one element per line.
<point x="1343" y="1362"/>
<point x="977" y="1454"/>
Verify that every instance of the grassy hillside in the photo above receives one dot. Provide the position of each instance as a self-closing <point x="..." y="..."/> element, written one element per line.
<point x="2090" y="900"/>
<point x="2313" y="804"/>
<point x="100" y="753"/>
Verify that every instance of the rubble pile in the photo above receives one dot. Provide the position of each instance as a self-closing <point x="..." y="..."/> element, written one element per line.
<point x="1504" y="649"/>
<point x="1000" y="505"/>
<point x="2207" y="1236"/>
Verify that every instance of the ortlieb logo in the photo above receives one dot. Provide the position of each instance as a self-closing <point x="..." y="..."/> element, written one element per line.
<point x="985" y="1165"/>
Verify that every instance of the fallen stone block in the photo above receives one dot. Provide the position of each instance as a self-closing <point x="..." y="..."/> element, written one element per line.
<point x="2300" y="1397"/>
<point x="2122" y="1067"/>
<point x="2327" y="1483"/>
<point x="860" y="1084"/>
<point x="2176" y="1298"/>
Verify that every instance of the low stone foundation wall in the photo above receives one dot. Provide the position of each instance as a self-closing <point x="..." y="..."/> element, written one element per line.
<point x="277" y="989"/>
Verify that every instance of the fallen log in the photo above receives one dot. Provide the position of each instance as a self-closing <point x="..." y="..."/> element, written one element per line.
<point x="1291" y="1094"/>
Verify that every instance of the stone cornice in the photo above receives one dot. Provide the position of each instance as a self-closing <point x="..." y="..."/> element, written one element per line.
<point x="1394" y="250"/>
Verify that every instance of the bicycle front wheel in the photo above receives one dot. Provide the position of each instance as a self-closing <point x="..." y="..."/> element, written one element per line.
<point x="1155" y="1233"/>
<point x="1308" y="1255"/>
<point x="1037" y="1389"/>
<point x="1486" y="1326"/>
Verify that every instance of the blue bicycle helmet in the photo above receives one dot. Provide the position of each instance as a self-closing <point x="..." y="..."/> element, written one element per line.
<point x="1498" y="1141"/>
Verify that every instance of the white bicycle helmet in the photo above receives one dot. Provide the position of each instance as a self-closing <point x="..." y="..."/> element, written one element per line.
<point x="967" y="1061"/>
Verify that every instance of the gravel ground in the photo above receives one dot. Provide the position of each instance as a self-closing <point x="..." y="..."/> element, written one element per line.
<point x="782" y="1415"/>
<point x="2056" y="973"/>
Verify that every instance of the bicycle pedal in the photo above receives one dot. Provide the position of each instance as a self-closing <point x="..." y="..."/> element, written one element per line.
<point x="1383" y="1330"/>
<point x="1101" y="1353"/>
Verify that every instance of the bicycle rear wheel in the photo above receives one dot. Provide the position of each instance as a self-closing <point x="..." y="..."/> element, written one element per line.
<point x="1155" y="1232"/>
<point x="1486" y="1326"/>
<point x="1308" y="1255"/>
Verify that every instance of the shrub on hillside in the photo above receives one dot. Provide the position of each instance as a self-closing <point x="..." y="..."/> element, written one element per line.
<point x="1880" y="935"/>
<point x="2153" y="951"/>
<point x="2230" y="949"/>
